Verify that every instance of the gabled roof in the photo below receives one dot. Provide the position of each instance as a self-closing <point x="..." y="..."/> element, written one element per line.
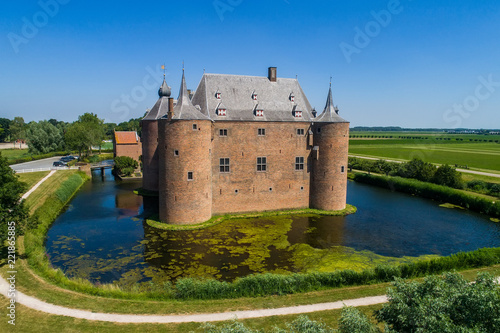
<point x="236" y="95"/>
<point x="184" y="109"/>
<point x="330" y="113"/>
<point x="124" y="138"/>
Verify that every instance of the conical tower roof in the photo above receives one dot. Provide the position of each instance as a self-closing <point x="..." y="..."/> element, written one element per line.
<point x="160" y="108"/>
<point x="330" y="114"/>
<point x="184" y="109"/>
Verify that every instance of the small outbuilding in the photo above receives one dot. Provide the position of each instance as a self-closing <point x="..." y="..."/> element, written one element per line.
<point x="127" y="144"/>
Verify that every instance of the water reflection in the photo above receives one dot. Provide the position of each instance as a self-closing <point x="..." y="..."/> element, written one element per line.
<point x="102" y="236"/>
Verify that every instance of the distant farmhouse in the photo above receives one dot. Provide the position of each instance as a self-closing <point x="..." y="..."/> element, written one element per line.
<point x="243" y="144"/>
<point x="127" y="144"/>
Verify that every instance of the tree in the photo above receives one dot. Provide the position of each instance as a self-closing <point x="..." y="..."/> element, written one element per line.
<point x="84" y="133"/>
<point x="43" y="137"/>
<point x="448" y="176"/>
<point x="18" y="129"/>
<point x="443" y="304"/>
<point x="125" y="165"/>
<point x="12" y="212"/>
<point x="417" y="169"/>
<point x="5" y="124"/>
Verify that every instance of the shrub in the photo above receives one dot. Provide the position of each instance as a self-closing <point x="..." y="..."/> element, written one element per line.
<point x="353" y="321"/>
<point x="123" y="163"/>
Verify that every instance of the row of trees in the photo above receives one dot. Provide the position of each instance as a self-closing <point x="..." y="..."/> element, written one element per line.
<point x="52" y="135"/>
<point x="416" y="169"/>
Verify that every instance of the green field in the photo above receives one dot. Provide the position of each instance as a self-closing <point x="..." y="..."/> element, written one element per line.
<point x="13" y="154"/>
<point x="480" y="155"/>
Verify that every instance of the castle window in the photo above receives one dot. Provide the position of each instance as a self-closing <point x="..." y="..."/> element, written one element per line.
<point x="224" y="165"/>
<point x="270" y="189"/>
<point x="218" y="95"/>
<point x="190" y="175"/>
<point x="300" y="131"/>
<point x="259" y="113"/>
<point x="302" y="188"/>
<point x="342" y="169"/>
<point x="261" y="132"/>
<point x="176" y="153"/>
<point x="318" y="130"/>
<point x="262" y="164"/>
<point x="223" y="132"/>
<point x="254" y="96"/>
<point x="221" y="112"/>
<point x="299" y="163"/>
<point x="297" y="114"/>
<point x="195" y="127"/>
<point x="292" y="97"/>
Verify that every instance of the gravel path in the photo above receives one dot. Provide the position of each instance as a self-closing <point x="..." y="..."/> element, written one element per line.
<point x="39" y="305"/>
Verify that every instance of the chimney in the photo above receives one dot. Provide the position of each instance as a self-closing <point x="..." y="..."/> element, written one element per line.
<point x="170" y="108"/>
<point x="272" y="74"/>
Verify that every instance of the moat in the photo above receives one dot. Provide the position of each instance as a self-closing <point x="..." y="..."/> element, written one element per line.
<point x="102" y="237"/>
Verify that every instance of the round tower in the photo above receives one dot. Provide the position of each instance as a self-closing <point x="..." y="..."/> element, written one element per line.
<point x="185" y="138"/>
<point x="150" y="139"/>
<point x="329" y="159"/>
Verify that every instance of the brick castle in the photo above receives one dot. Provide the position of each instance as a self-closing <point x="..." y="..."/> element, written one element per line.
<point x="243" y="144"/>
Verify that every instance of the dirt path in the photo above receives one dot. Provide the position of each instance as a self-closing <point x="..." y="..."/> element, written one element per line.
<point x="461" y="170"/>
<point x="39" y="305"/>
<point x="27" y="194"/>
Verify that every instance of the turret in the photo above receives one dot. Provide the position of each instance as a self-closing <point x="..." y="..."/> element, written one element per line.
<point x="329" y="159"/>
<point x="150" y="138"/>
<point x="185" y="136"/>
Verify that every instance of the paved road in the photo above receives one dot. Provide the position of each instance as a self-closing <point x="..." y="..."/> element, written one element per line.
<point x="489" y="174"/>
<point x="45" y="163"/>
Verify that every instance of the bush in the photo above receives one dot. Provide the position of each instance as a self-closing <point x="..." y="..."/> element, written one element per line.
<point x="353" y="321"/>
<point x="443" y="304"/>
<point x="447" y="176"/>
<point x="124" y="164"/>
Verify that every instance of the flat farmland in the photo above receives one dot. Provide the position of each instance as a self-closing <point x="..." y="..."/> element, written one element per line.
<point x="480" y="155"/>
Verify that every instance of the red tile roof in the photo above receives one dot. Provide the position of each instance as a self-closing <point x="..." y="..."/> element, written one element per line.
<point x="126" y="138"/>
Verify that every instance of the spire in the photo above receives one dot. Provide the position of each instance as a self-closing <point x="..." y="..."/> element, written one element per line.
<point x="164" y="90"/>
<point x="184" y="109"/>
<point x="331" y="112"/>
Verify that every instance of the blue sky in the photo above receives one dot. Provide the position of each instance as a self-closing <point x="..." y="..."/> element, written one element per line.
<point x="394" y="63"/>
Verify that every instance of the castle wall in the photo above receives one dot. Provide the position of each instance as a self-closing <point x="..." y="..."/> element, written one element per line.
<point x="150" y="155"/>
<point x="244" y="189"/>
<point x="182" y="150"/>
<point x="329" y="166"/>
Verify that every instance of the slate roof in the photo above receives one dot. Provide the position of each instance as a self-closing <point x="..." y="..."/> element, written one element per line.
<point x="330" y="113"/>
<point x="184" y="109"/>
<point x="123" y="138"/>
<point x="236" y="96"/>
<point x="160" y="108"/>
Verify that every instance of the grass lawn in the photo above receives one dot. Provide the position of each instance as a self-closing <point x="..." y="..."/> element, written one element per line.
<point x="37" y="198"/>
<point x="13" y="154"/>
<point x="31" y="178"/>
<point x="481" y="156"/>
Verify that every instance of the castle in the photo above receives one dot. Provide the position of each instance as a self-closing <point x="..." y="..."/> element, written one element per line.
<point x="243" y="144"/>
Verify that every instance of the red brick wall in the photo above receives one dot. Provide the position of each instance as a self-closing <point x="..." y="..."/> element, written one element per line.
<point x="150" y="154"/>
<point x="242" y="146"/>
<point x="183" y="201"/>
<point x="130" y="150"/>
<point x="329" y="183"/>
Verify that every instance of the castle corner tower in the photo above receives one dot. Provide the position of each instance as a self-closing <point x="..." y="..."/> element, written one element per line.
<point x="329" y="159"/>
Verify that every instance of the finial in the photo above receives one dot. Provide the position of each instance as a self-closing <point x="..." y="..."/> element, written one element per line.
<point x="183" y="65"/>
<point x="203" y="70"/>
<point x="296" y="76"/>
<point x="331" y="81"/>
<point x="164" y="70"/>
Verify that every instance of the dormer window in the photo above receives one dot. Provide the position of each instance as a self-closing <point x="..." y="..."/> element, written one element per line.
<point x="297" y="114"/>
<point x="292" y="97"/>
<point x="254" y="96"/>
<point x="259" y="113"/>
<point x="221" y="111"/>
<point x="218" y="95"/>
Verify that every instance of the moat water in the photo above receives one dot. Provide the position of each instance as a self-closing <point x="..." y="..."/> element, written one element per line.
<point x="102" y="237"/>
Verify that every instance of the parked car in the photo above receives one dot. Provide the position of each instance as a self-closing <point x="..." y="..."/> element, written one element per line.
<point x="59" y="164"/>
<point x="68" y="158"/>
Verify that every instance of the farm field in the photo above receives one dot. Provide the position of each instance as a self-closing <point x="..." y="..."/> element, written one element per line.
<point x="479" y="156"/>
